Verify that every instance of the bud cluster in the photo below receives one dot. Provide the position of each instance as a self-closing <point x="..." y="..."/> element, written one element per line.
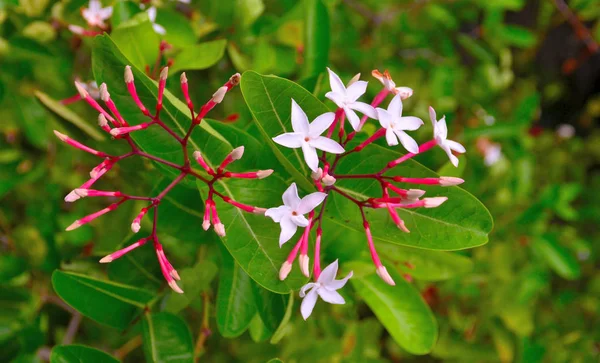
<point x="112" y="122"/>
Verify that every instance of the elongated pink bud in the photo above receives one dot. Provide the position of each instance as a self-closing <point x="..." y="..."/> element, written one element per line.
<point x="185" y="91"/>
<point x="120" y="253"/>
<point x="136" y="224"/>
<point x="162" y="82"/>
<point x="425" y="181"/>
<point x="317" y="175"/>
<point x="166" y="273"/>
<point x="217" y="225"/>
<point x="235" y="154"/>
<point x="317" y="263"/>
<point x="76" y="144"/>
<point x="200" y="160"/>
<point x="397" y="220"/>
<point x="76" y="29"/>
<point x="284" y="271"/>
<point x="87" y="219"/>
<point x="129" y="80"/>
<point x="219" y="95"/>
<point x="447" y="181"/>
<point x="103" y="123"/>
<point x="207" y="209"/>
<point x="304" y="262"/>
<point x="105" y="96"/>
<point x="92" y="102"/>
<point x="261" y="174"/>
<point x="426" y="202"/>
<point x="106" y="164"/>
<point x="125" y="130"/>
<point x="385" y="276"/>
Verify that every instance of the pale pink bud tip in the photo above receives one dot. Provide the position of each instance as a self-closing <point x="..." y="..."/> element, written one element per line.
<point x="448" y="181"/>
<point x="104" y="95"/>
<point x="261" y="174"/>
<point x="385" y="276"/>
<point x="219" y="95"/>
<point x="220" y="229"/>
<point x="235" y="79"/>
<point x="402" y="226"/>
<point x="164" y="73"/>
<point x="106" y="259"/>
<point x="102" y="121"/>
<point x="175" y="275"/>
<point x="317" y="175"/>
<point x="237" y="153"/>
<point x="328" y="180"/>
<point x="62" y="137"/>
<point x="434" y="202"/>
<point x="175" y="287"/>
<point x="353" y="79"/>
<point x="128" y="74"/>
<point x="115" y="132"/>
<point x="197" y="154"/>
<point x="183" y="78"/>
<point x="414" y="193"/>
<point x="304" y="265"/>
<point x="284" y="271"/>
<point x="71" y="197"/>
<point x="206" y="225"/>
<point x="135" y="227"/>
<point x="73" y="226"/>
<point x="82" y="92"/>
<point x="258" y="210"/>
<point x="76" y="29"/>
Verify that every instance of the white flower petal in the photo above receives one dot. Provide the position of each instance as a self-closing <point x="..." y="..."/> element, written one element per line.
<point x="325" y="144"/>
<point x="106" y="12"/>
<point x="408" y="142"/>
<point x="455" y="146"/>
<point x="290" y="197"/>
<point x="395" y="106"/>
<point x="94" y="5"/>
<point x="432" y="116"/>
<point x="289" y="139"/>
<point x="288" y="229"/>
<point x="441" y="128"/>
<point x="338" y="284"/>
<point x="299" y="119"/>
<point x="310" y="156"/>
<point x="320" y="124"/>
<point x="336" y="83"/>
<point x="278" y="213"/>
<point x="308" y="303"/>
<point x="385" y="119"/>
<point x="159" y="29"/>
<point x="328" y="274"/>
<point x="451" y="156"/>
<point x="364" y="108"/>
<point x="391" y="137"/>
<point x="352" y="118"/>
<point x="337" y="98"/>
<point x="152" y="14"/>
<point x="409" y="123"/>
<point x="305" y="288"/>
<point x="356" y="90"/>
<point x="310" y="202"/>
<point x="300" y="220"/>
<point x="332" y="297"/>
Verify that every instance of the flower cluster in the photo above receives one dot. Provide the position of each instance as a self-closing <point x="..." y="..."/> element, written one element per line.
<point x="307" y="136"/>
<point x="111" y="121"/>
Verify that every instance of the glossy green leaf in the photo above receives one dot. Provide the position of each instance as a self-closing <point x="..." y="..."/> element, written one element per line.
<point x="199" y="56"/>
<point x="235" y="299"/>
<point x="284" y="326"/>
<point x="127" y="37"/>
<point x="271" y="307"/>
<point x="166" y="338"/>
<point x="462" y="222"/>
<point x="79" y="354"/>
<point x="251" y="239"/>
<point x="316" y="38"/>
<point x="401" y="310"/>
<point x="65" y="113"/>
<point x="106" y="302"/>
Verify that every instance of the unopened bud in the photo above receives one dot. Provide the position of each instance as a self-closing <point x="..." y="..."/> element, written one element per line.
<point x="106" y="259"/>
<point x="164" y="73"/>
<point x="261" y="174"/>
<point x="434" y="202"/>
<point x="72" y="196"/>
<point x="76" y="29"/>
<point x="317" y="175"/>
<point x="183" y="78"/>
<point x="447" y="181"/>
<point x="128" y="74"/>
<point x="102" y="121"/>
<point x="385" y="276"/>
<point x="175" y="287"/>
<point x="219" y="95"/>
<point x="174" y="274"/>
<point x="73" y="226"/>
<point x="61" y="137"/>
<point x="284" y="271"/>
<point x="304" y="261"/>
<point x="402" y="226"/>
<point x="415" y="194"/>
<point x="235" y="79"/>
<point x="220" y="229"/>
<point x="81" y="89"/>
<point x="206" y="225"/>
<point x="237" y="153"/>
<point x="104" y="95"/>
<point x="135" y="227"/>
<point x="328" y="180"/>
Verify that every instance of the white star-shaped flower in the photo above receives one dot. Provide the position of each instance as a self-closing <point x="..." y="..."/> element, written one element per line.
<point x="390" y="85"/>
<point x="308" y="136"/>
<point x="346" y="98"/>
<point x="325" y="287"/>
<point x="95" y="14"/>
<point x="395" y="124"/>
<point x="290" y="215"/>
<point x="440" y="134"/>
<point x="159" y="29"/>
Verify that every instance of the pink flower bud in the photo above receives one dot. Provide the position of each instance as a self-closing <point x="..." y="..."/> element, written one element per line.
<point x="447" y="181"/>
<point x="284" y="271"/>
<point x="304" y="262"/>
<point x="385" y="276"/>
<point x="220" y="229"/>
<point x="219" y="95"/>
<point x="434" y="202"/>
<point x="328" y="180"/>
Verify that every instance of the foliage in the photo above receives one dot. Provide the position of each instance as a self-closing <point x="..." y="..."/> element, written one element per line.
<point x="530" y="294"/>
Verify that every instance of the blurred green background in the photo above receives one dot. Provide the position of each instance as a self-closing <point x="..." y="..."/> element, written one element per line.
<point x="518" y="81"/>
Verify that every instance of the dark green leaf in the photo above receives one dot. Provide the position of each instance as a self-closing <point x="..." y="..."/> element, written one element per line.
<point x="316" y="38"/>
<point x="79" y="354"/>
<point x="128" y="35"/>
<point x="199" y="56"/>
<point x="167" y="338"/>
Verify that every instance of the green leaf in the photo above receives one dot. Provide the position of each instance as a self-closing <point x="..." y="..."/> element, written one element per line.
<point x="517" y="36"/>
<point x="271" y="307"/>
<point x="199" y="56"/>
<point x="79" y="354"/>
<point x="166" y="338"/>
<point x="127" y="36"/>
<point x="559" y="258"/>
<point x="235" y="300"/>
<point x="247" y="11"/>
<point x="193" y="281"/>
<point x="316" y="38"/>
<point x="123" y="11"/>
<point x="282" y="329"/>
<point x="252" y="239"/>
<point x="179" y="31"/>
<point x="106" y="302"/>
<point x="65" y="113"/>
<point x="401" y="310"/>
